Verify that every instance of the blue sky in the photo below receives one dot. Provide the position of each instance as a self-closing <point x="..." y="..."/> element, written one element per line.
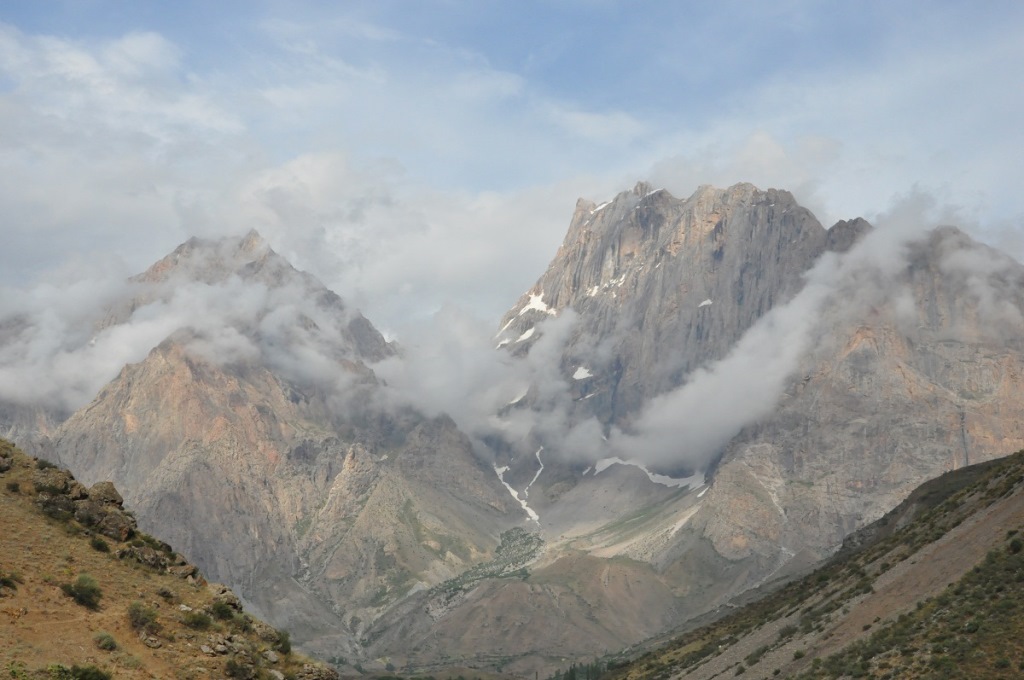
<point x="416" y="154"/>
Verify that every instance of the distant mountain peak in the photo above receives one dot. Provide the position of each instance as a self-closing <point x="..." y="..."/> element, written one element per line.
<point x="210" y="260"/>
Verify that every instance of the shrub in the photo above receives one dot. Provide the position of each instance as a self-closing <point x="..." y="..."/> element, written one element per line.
<point x="13" y="487"/>
<point x="89" y="673"/>
<point x="197" y="620"/>
<point x="166" y="594"/>
<point x="99" y="544"/>
<point x="105" y="641"/>
<point x="284" y="642"/>
<point x="85" y="591"/>
<point x="143" y="618"/>
<point x="236" y="670"/>
<point x="798" y="654"/>
<point x="44" y="464"/>
<point x="242" y="623"/>
<point x="1016" y="545"/>
<point x="222" y="611"/>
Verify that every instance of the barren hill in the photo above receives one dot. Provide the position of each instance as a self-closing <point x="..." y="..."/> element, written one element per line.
<point x="933" y="589"/>
<point x="83" y="590"/>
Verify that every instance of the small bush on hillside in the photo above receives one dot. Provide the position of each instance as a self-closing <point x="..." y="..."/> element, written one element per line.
<point x="197" y="620"/>
<point x="44" y="464"/>
<point x="105" y="641"/>
<point x="85" y="591"/>
<point x="143" y="618"/>
<point x="222" y="611"/>
<point x="13" y="487"/>
<point x="234" y="669"/>
<point x="88" y="673"/>
<point x="284" y="642"/>
<point x="241" y="623"/>
<point x="99" y="544"/>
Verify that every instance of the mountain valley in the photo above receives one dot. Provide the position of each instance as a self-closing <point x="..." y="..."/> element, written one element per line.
<point x="698" y="398"/>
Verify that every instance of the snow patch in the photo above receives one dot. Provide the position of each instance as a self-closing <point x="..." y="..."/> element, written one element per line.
<point x="601" y="207"/>
<point x="529" y="511"/>
<point x="519" y="398"/>
<point x="692" y="482"/>
<point x="582" y="373"/>
<point x="587" y="471"/>
<point x="526" y="491"/>
<point x="505" y="327"/>
<point x="703" y="491"/>
<point x="502" y="343"/>
<point x="536" y="302"/>
<point x="525" y="336"/>
<point x="706" y="303"/>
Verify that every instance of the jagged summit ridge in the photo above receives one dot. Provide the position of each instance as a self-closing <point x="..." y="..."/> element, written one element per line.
<point x="693" y="273"/>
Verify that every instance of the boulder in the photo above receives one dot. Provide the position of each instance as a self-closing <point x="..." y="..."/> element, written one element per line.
<point x="117" y="525"/>
<point x="55" y="504"/>
<point x="222" y="593"/>
<point x="265" y="631"/>
<point x="105" y="492"/>
<point x="144" y="555"/>
<point x="52" y="480"/>
<point x="312" y="671"/>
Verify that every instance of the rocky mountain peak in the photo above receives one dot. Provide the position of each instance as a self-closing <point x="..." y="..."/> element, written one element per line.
<point x="253" y="243"/>
<point x="845" y="233"/>
<point x="691" y="275"/>
<point x="211" y="260"/>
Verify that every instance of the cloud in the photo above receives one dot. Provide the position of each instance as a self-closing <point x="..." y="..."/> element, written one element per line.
<point x="452" y="367"/>
<point x="60" y="343"/>
<point x="692" y="424"/>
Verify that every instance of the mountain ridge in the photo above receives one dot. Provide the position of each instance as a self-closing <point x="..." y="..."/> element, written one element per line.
<point x="720" y="390"/>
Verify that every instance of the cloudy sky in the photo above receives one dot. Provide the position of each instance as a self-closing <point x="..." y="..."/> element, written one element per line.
<point x="425" y="153"/>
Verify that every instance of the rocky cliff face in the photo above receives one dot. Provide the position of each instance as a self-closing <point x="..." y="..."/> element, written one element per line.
<point x="916" y="378"/>
<point x="663" y="285"/>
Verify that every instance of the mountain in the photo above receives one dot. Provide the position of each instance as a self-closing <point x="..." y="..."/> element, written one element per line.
<point x="250" y="437"/>
<point x="794" y="383"/>
<point x="85" y="594"/>
<point x="663" y="286"/>
<point x="932" y="589"/>
<point x="720" y="390"/>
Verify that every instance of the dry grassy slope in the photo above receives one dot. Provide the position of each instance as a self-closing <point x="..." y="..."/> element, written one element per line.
<point x="934" y="589"/>
<point x="41" y="626"/>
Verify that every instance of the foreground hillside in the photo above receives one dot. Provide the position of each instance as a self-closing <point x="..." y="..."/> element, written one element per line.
<point x="933" y="589"/>
<point x="84" y="594"/>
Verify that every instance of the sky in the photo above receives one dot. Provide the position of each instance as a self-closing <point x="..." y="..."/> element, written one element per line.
<point x="425" y="155"/>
